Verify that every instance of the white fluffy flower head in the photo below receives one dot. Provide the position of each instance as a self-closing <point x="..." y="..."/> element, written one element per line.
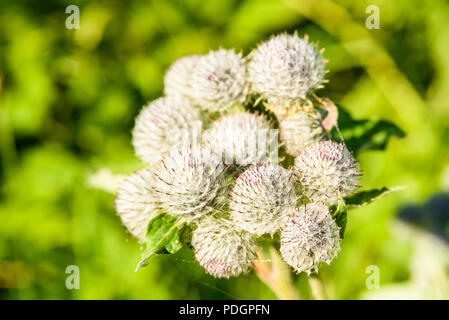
<point x="284" y="70"/>
<point x="309" y="237"/>
<point x="189" y="182"/>
<point x="177" y="79"/>
<point x="224" y="182"/>
<point x="163" y="124"/>
<point x="327" y="169"/>
<point x="135" y="203"/>
<point x="243" y="138"/>
<point x="261" y="197"/>
<point x="299" y="130"/>
<point x="218" y="80"/>
<point x="222" y="249"/>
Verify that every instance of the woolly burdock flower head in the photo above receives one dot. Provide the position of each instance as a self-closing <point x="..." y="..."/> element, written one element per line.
<point x="135" y="203"/>
<point x="261" y="197"/>
<point x="218" y="80"/>
<point x="299" y="130"/>
<point x="222" y="249"/>
<point x="327" y="169"/>
<point x="243" y="139"/>
<point x="177" y="79"/>
<point x="163" y="124"/>
<point x="284" y="70"/>
<point x="309" y="237"/>
<point x="189" y="182"/>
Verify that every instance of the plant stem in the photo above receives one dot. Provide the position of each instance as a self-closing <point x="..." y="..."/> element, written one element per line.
<point x="317" y="287"/>
<point x="276" y="275"/>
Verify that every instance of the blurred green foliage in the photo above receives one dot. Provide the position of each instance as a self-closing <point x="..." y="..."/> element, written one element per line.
<point x="69" y="97"/>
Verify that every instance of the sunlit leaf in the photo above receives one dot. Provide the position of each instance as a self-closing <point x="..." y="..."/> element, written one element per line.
<point x="163" y="235"/>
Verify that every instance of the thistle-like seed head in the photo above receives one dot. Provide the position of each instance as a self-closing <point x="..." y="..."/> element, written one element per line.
<point x="218" y="80"/>
<point x="261" y="197"/>
<point x="243" y="138"/>
<point x="222" y="249"/>
<point x="326" y="169"/>
<point x="135" y="203"/>
<point x="177" y="79"/>
<point x="284" y="70"/>
<point x="189" y="182"/>
<point x="163" y="124"/>
<point x="299" y="130"/>
<point x="309" y="237"/>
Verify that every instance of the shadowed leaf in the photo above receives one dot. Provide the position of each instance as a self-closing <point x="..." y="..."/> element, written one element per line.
<point x="340" y="215"/>
<point x="362" y="135"/>
<point x="363" y="198"/>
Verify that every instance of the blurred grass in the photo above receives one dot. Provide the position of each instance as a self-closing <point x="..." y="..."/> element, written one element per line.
<point x="69" y="97"/>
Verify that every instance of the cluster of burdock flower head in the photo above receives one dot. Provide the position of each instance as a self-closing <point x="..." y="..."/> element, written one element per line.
<point x="225" y="178"/>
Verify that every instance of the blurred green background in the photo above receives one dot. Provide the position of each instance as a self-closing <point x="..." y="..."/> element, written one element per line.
<point x="68" y="99"/>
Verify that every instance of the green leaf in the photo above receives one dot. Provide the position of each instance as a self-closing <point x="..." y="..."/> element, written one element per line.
<point x="163" y="235"/>
<point x="340" y="215"/>
<point x="363" y="198"/>
<point x="175" y="244"/>
<point x="186" y="236"/>
<point x="362" y="135"/>
<point x="359" y="199"/>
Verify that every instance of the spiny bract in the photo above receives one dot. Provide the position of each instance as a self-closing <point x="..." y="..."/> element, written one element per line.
<point x="284" y="70"/>
<point x="309" y="237"/>
<point x="299" y="130"/>
<point x="222" y="249"/>
<point x="163" y="124"/>
<point x="136" y="204"/>
<point x="189" y="182"/>
<point x="261" y="197"/>
<point x="243" y="138"/>
<point x="327" y="170"/>
<point x="177" y="79"/>
<point x="218" y="80"/>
